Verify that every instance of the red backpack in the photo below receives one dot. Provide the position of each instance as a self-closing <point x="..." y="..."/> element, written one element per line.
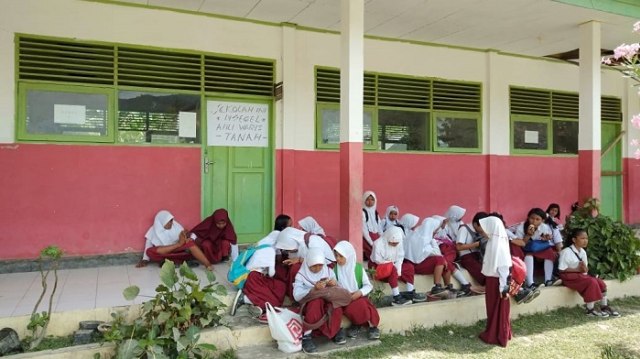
<point x="518" y="274"/>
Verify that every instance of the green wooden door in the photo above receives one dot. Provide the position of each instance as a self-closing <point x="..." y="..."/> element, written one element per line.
<point x="237" y="164"/>
<point x="611" y="179"/>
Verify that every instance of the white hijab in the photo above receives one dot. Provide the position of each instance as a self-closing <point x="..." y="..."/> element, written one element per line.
<point x="387" y="222"/>
<point x="157" y="235"/>
<point x="497" y="255"/>
<point x="270" y="239"/>
<point x="347" y="272"/>
<point x="263" y="260"/>
<point x="372" y="222"/>
<point x="292" y="238"/>
<point x="421" y="243"/>
<point x="383" y="252"/>
<point x="306" y="279"/>
<point x="454" y="214"/>
<point x="309" y="224"/>
<point x="409" y="221"/>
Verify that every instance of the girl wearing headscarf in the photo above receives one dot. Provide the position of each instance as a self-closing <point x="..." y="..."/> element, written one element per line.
<point x="469" y="247"/>
<point x="449" y="251"/>
<point x="454" y="221"/>
<point x="217" y="237"/>
<point x="496" y="266"/>
<point x="390" y="218"/>
<point x="371" y="229"/>
<point x="360" y="311"/>
<point x="315" y="275"/>
<point x="426" y="257"/>
<point x="167" y="239"/>
<point x="261" y="287"/>
<point x="388" y="260"/>
<point x="311" y="226"/>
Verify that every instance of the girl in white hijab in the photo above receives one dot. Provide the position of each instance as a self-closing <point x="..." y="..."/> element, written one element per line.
<point x="449" y="250"/>
<point x="310" y="225"/>
<point x="167" y="239"/>
<point x="454" y="221"/>
<point x="387" y="257"/>
<point x="426" y="256"/>
<point x="496" y="267"/>
<point x="371" y="229"/>
<point x="270" y="239"/>
<point x="390" y="218"/>
<point x="360" y="311"/>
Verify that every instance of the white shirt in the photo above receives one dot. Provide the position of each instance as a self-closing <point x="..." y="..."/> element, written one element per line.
<point x="542" y="230"/>
<point x="465" y="237"/>
<point x="569" y="260"/>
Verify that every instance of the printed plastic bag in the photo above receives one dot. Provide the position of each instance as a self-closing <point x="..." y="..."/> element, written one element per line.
<point x="286" y="328"/>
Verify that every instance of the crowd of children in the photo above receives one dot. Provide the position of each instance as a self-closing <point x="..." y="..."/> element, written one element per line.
<point x="306" y="265"/>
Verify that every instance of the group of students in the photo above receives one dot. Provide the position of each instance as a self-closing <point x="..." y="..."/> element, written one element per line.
<point x="315" y="271"/>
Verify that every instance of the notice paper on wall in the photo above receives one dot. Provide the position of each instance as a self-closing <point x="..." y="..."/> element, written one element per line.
<point x="70" y="114"/>
<point x="531" y="137"/>
<point x="237" y="124"/>
<point x="187" y="124"/>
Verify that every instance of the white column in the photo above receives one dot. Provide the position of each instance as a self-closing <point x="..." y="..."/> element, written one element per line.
<point x="289" y="105"/>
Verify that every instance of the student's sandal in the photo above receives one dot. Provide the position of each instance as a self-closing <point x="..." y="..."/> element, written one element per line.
<point x="596" y="314"/>
<point x="607" y="309"/>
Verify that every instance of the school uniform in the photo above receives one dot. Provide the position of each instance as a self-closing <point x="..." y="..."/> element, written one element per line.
<point x="311" y="226"/>
<point x="360" y="311"/>
<point x="261" y="285"/>
<point x="516" y="250"/>
<point x="158" y="236"/>
<point x="383" y="253"/>
<point x="217" y="244"/>
<point x="590" y="288"/>
<point x="496" y="266"/>
<point x="424" y="251"/>
<point x="471" y="259"/>
<point x="386" y="223"/>
<point x="371" y="229"/>
<point x="549" y="255"/>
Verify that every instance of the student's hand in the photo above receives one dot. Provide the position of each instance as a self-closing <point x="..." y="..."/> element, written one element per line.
<point x="355" y="295"/>
<point x="182" y="240"/>
<point x="332" y="283"/>
<point x="291" y="261"/>
<point x="531" y="230"/>
<point x="320" y="284"/>
<point x="582" y="267"/>
<point x="546" y="237"/>
<point x="444" y="223"/>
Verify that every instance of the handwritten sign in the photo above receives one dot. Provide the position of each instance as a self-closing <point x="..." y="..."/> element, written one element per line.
<point x="237" y="124"/>
<point x="69" y="114"/>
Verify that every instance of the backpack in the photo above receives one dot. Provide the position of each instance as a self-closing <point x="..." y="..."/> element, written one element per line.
<point x="477" y="238"/>
<point x="366" y="215"/>
<point x="359" y="273"/>
<point x="517" y="276"/>
<point x="238" y="271"/>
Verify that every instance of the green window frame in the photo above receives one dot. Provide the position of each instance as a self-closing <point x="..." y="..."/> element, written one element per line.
<point x="540" y="122"/>
<point x="369" y="143"/>
<point x="425" y="138"/>
<point x="465" y="116"/>
<point x="24" y="108"/>
<point x="564" y="147"/>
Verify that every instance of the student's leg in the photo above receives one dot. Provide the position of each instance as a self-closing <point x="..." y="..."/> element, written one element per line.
<point x="209" y="250"/>
<point x="446" y="276"/>
<point x="199" y="256"/>
<point x="154" y="256"/>
<point x="261" y="289"/>
<point x="393" y="282"/>
<point x="548" y="270"/>
<point x="437" y="274"/>
<point x="528" y="261"/>
<point x="471" y="262"/>
<point x="408" y="275"/>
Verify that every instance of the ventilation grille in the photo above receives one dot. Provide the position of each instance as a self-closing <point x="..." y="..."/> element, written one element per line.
<point x="530" y="102"/>
<point x="328" y="86"/>
<point x="565" y="105"/>
<point x="158" y="69"/>
<point x="611" y="109"/>
<point x="241" y="76"/>
<point x="66" y="61"/>
<point x="456" y="96"/>
<point x="403" y="92"/>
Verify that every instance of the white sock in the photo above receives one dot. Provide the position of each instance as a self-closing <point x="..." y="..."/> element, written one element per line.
<point x="590" y="305"/>
<point x="528" y="262"/>
<point x="308" y="332"/>
<point x="460" y="278"/>
<point x="395" y="291"/>
<point x="604" y="302"/>
<point x="234" y="252"/>
<point x="548" y="269"/>
<point x="410" y="287"/>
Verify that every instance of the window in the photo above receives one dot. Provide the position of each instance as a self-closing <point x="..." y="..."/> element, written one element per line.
<point x="565" y="136"/>
<point x="530" y="134"/>
<point x="65" y="113"/>
<point x="457" y="131"/>
<point x="329" y="127"/>
<point x="402" y="130"/>
<point x="145" y="117"/>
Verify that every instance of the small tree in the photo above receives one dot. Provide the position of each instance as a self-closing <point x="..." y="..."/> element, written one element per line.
<point x="48" y="261"/>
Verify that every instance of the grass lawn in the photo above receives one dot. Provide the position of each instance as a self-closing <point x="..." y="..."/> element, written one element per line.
<point x="562" y="333"/>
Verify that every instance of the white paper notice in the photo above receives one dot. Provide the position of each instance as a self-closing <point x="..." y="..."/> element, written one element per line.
<point x="531" y="137"/>
<point x="237" y="124"/>
<point x="187" y="124"/>
<point x="70" y="114"/>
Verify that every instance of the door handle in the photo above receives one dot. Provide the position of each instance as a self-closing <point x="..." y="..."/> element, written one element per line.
<point x="206" y="164"/>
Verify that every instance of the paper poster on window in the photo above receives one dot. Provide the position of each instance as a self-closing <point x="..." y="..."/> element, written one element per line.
<point x="531" y="137"/>
<point x="187" y="124"/>
<point x="237" y="124"/>
<point x="70" y="114"/>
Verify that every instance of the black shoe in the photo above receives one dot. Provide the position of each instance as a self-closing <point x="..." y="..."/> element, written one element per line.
<point x="238" y="301"/>
<point x="400" y="300"/>
<point x="465" y="291"/>
<point x="224" y="259"/>
<point x="340" y="338"/>
<point x="417" y="297"/>
<point x="437" y="289"/>
<point x="534" y="285"/>
<point x="353" y="331"/>
<point x="374" y="333"/>
<point x="308" y="346"/>
<point x="533" y="294"/>
<point x="522" y="295"/>
<point x="192" y="263"/>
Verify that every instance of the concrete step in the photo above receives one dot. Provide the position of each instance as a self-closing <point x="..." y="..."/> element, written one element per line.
<point x="325" y="348"/>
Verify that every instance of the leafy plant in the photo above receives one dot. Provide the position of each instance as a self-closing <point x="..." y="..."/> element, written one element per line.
<point x="169" y="324"/>
<point x="613" y="247"/>
<point x="48" y="261"/>
<point x="376" y="296"/>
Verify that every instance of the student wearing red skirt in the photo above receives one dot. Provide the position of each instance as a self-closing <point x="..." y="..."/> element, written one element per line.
<point x="496" y="266"/>
<point x="534" y="229"/>
<point x="573" y="267"/>
<point x="361" y="312"/>
<point x="217" y="237"/>
<point x="371" y="229"/>
<point x="424" y="252"/>
<point x="469" y="249"/>
<point x="387" y="258"/>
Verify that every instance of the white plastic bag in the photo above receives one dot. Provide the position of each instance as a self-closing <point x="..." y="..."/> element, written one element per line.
<point x="286" y="328"/>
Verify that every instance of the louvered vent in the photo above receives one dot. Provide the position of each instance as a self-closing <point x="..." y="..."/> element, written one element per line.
<point x="456" y="96"/>
<point x="328" y="86"/>
<point x="369" y="91"/>
<point x="565" y="105"/>
<point x="530" y="102"/>
<point x="242" y="76"/>
<point x="160" y="69"/>
<point x="403" y="92"/>
<point x="611" y="109"/>
<point x="65" y="61"/>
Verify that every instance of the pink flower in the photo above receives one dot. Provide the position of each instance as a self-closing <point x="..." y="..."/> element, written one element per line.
<point x="634" y="142"/>
<point x="637" y="154"/>
<point x="635" y="121"/>
<point x="606" y="60"/>
<point x="626" y="51"/>
<point x="636" y="27"/>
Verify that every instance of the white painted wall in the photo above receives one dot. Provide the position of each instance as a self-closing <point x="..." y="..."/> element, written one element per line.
<point x="298" y="50"/>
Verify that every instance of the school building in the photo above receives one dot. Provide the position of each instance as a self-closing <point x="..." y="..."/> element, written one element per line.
<point x="113" y="110"/>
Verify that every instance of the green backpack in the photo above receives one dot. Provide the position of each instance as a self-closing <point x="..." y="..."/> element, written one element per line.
<point x="359" y="273"/>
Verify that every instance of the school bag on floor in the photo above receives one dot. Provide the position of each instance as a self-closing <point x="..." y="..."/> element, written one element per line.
<point x="238" y="271"/>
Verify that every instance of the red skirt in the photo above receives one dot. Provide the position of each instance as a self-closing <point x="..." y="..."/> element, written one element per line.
<point x="516" y="250"/>
<point x="472" y="263"/>
<point x="366" y="248"/>
<point x="214" y="251"/>
<point x="450" y="253"/>
<point x="177" y="256"/>
<point x="590" y="288"/>
<point x="260" y="289"/>
<point x="428" y="265"/>
<point x="498" y="330"/>
<point x="287" y="274"/>
<point x="315" y="310"/>
<point x="548" y="254"/>
<point x="362" y="312"/>
<point x="391" y="278"/>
